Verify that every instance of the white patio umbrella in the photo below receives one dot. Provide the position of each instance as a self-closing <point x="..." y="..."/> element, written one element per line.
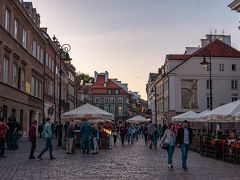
<point x="189" y="116"/>
<point x="87" y="111"/>
<point x="225" y="113"/>
<point x="138" y="119"/>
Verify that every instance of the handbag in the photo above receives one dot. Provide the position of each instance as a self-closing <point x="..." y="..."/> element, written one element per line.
<point x="165" y="146"/>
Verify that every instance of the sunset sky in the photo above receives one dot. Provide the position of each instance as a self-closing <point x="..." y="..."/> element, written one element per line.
<point x="130" y="38"/>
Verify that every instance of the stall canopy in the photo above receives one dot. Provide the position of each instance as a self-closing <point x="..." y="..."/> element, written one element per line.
<point x="225" y="113"/>
<point x="138" y="119"/>
<point x="189" y="116"/>
<point x="87" y="111"/>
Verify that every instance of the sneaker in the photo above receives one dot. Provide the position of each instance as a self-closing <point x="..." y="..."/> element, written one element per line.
<point x="39" y="157"/>
<point x="169" y="165"/>
<point x="52" y="158"/>
<point x="32" y="157"/>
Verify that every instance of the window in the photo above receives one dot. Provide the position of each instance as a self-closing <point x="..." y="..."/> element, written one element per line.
<point x="7" y="20"/>
<point x="5" y="69"/>
<point x="234" y="99"/>
<point x="50" y="62"/>
<point x="37" y="88"/>
<point x="40" y="90"/>
<point x="116" y="91"/>
<point x="50" y="88"/>
<point x="120" y="100"/>
<point x="38" y="52"/>
<point x="208" y="84"/>
<point x="46" y="60"/>
<point x="234" y="84"/>
<point x="97" y="100"/>
<point x="34" y="49"/>
<point x="112" y="100"/>
<point x="109" y="91"/>
<point x="32" y="86"/>
<point x="41" y="56"/>
<point x="208" y="102"/>
<point x="24" y="38"/>
<point x="106" y="100"/>
<point x="234" y="67"/>
<point x="106" y="108"/>
<point x="15" y="69"/>
<point x="22" y="79"/>
<point x="112" y="109"/>
<point x="16" y="29"/>
<point x="52" y="65"/>
<point x="221" y="67"/>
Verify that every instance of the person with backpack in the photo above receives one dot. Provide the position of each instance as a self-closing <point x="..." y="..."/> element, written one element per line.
<point x="33" y="138"/>
<point x="48" y="134"/>
<point x="3" y="132"/>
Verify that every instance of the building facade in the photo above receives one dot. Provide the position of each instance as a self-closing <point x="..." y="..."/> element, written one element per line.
<point x="30" y="68"/>
<point x="184" y="84"/>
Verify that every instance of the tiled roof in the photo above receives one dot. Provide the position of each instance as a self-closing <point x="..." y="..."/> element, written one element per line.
<point x="217" y="49"/>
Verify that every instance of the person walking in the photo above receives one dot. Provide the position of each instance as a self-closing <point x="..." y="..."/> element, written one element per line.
<point x="156" y="135"/>
<point x="10" y="134"/>
<point x="59" y="130"/>
<point x="47" y="130"/>
<point x="145" y="133"/>
<point x="40" y="130"/>
<point x="169" y="138"/>
<point x="3" y="132"/>
<point x="130" y="134"/>
<point x="123" y="132"/>
<point x="69" y="138"/>
<point x="184" y="139"/>
<point x="95" y="134"/>
<point x="85" y="131"/>
<point x="115" y="135"/>
<point x="33" y="138"/>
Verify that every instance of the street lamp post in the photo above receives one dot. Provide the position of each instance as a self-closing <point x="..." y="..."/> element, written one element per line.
<point x="208" y="65"/>
<point x="155" y="102"/>
<point x="64" y="56"/>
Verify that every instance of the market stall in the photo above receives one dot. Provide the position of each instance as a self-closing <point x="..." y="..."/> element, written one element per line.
<point x="138" y="120"/>
<point x="94" y="115"/>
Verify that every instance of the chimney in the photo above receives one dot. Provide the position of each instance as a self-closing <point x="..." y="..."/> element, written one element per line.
<point x="95" y="76"/>
<point x="106" y="76"/>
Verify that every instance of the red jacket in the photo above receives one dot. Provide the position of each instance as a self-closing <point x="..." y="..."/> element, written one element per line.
<point x="32" y="133"/>
<point x="3" y="130"/>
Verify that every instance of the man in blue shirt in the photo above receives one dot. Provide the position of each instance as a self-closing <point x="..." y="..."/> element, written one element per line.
<point x="85" y="130"/>
<point x="184" y="138"/>
<point x="47" y="130"/>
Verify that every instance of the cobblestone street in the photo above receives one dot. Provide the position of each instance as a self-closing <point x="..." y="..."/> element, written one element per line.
<point x="128" y="162"/>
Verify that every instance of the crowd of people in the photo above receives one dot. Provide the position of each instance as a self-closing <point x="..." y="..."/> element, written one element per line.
<point x="90" y="135"/>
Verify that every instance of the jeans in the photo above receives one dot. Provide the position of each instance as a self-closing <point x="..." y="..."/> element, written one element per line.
<point x="15" y="140"/>
<point x="10" y="141"/>
<point x="95" y="144"/>
<point x="184" y="148"/>
<point x="85" y="144"/>
<point x="48" y="146"/>
<point x="69" y="145"/>
<point x="2" y="146"/>
<point x="170" y="151"/>
<point x="122" y="138"/>
<point x="130" y="138"/>
<point x="33" y="147"/>
<point x="115" y="139"/>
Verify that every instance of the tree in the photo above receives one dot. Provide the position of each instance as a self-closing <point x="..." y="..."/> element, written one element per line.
<point x="84" y="78"/>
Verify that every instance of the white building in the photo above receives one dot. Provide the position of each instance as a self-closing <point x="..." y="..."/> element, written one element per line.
<point x="184" y="83"/>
